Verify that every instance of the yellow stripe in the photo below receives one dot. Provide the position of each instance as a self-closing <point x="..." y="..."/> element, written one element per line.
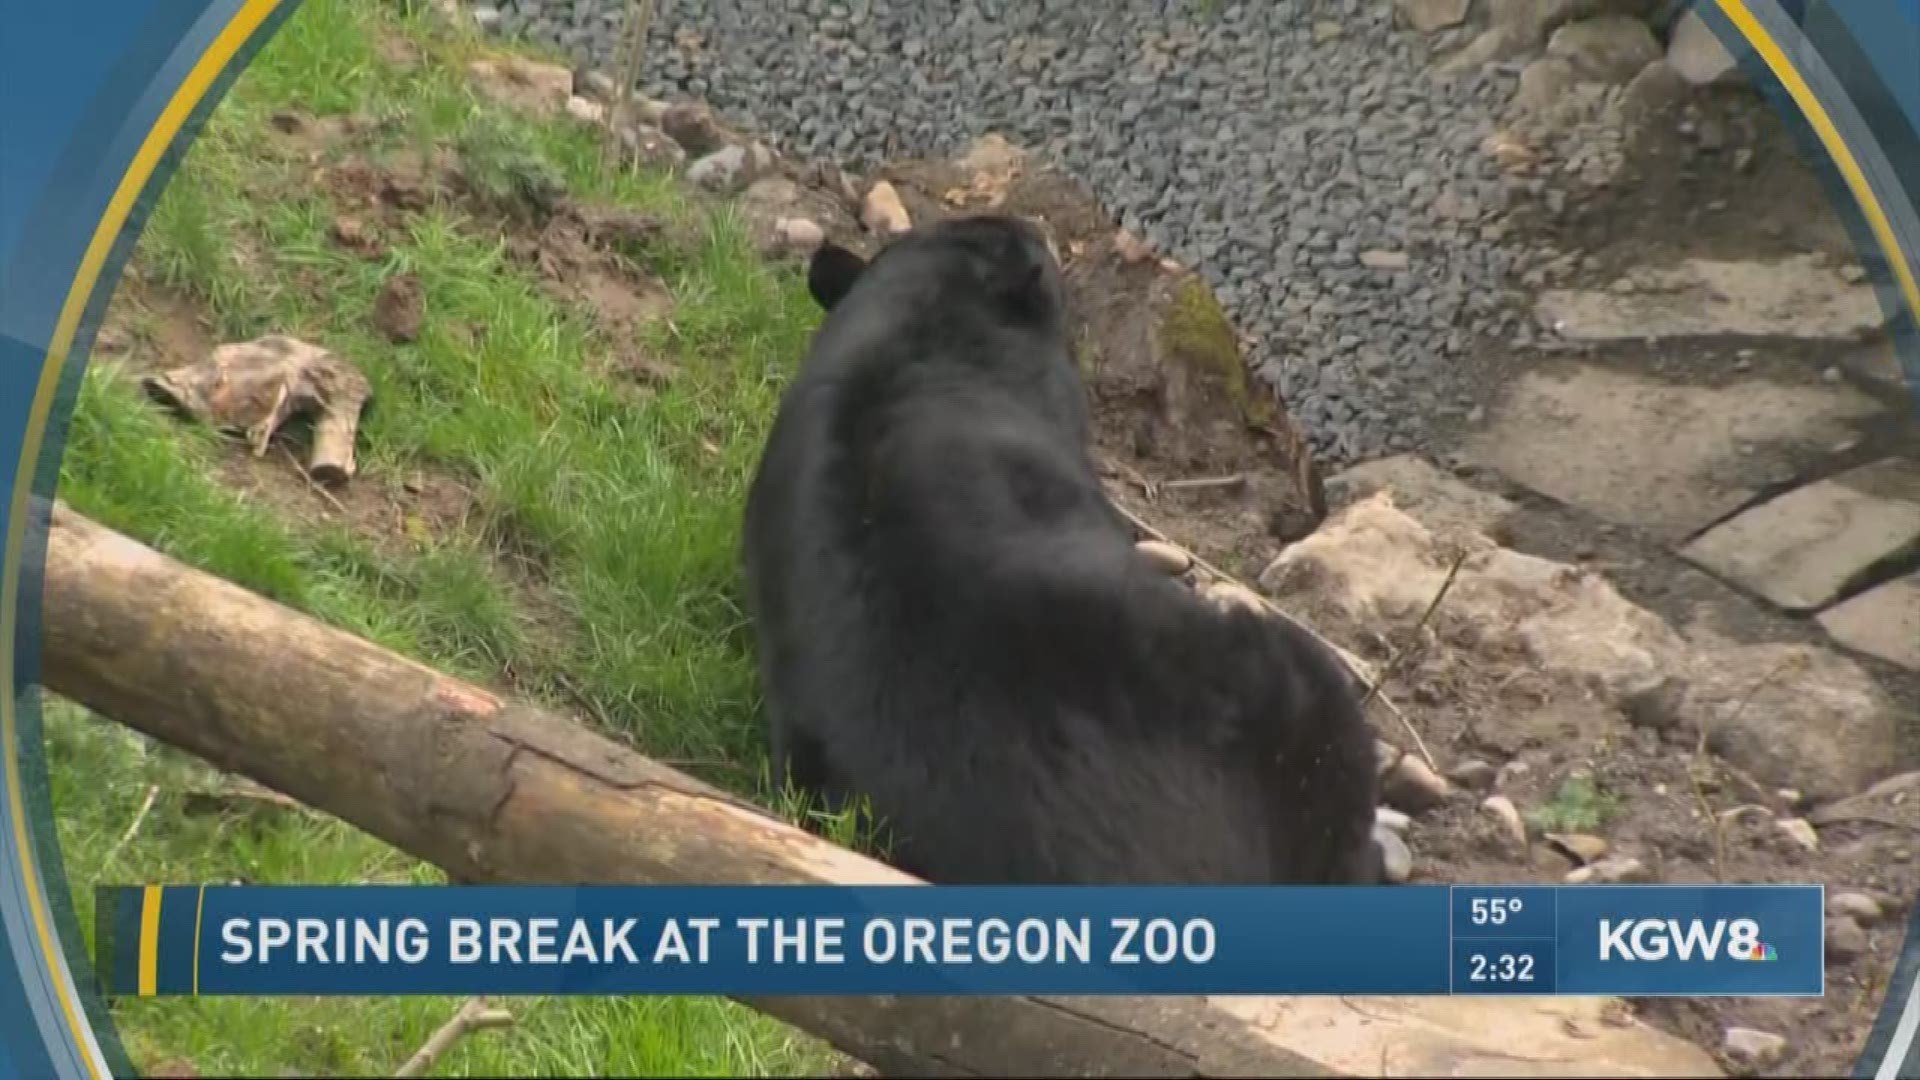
<point x="1816" y="114"/>
<point x="185" y="100"/>
<point x="149" y="941"/>
<point x="199" y="909"/>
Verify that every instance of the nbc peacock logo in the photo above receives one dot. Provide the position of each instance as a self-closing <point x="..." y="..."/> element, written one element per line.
<point x="1755" y="951"/>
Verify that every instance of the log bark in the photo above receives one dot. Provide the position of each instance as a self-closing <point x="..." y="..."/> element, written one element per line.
<point x="493" y="790"/>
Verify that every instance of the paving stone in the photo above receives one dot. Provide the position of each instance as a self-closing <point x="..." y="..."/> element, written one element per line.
<point x="1801" y="549"/>
<point x="1668" y="458"/>
<point x="1799" y="297"/>
<point x="1883" y="621"/>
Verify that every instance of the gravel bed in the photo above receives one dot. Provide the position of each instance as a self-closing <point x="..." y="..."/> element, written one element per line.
<point x="1298" y="153"/>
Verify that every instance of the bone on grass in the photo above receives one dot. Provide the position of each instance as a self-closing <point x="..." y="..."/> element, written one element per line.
<point x="256" y="387"/>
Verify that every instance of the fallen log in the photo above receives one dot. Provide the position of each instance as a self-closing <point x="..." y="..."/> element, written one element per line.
<point x="493" y="790"/>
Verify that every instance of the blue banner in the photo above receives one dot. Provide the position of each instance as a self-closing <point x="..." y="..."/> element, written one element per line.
<point x="1741" y="940"/>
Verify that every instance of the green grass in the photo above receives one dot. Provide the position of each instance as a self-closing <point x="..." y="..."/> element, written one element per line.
<point x="598" y="564"/>
<point x="1579" y="806"/>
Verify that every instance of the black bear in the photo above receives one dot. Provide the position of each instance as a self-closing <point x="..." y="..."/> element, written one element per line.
<point x="954" y="622"/>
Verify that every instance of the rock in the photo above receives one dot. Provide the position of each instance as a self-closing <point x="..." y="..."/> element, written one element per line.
<point x="1846" y="941"/>
<point x="1751" y="1051"/>
<point x="596" y="84"/>
<point x="1131" y="248"/>
<point x="1801" y="833"/>
<point x="400" y="308"/>
<point x="586" y="110"/>
<point x="799" y="234"/>
<point x="1474" y="775"/>
<point x="1655" y="705"/>
<point x="1790" y="716"/>
<point x="1619" y="870"/>
<point x="648" y="147"/>
<point x="882" y="212"/>
<point x="1609" y="48"/>
<point x="1427" y="16"/>
<point x="486" y="17"/>
<point x="1861" y="908"/>
<point x="1396" y="859"/>
<point x="1167" y="558"/>
<point x="1796" y="297"/>
<point x="1697" y="54"/>
<point x="1325" y="30"/>
<point x="1386" y="817"/>
<point x="1384" y="260"/>
<point x="1580" y="847"/>
<point x="1802" y="548"/>
<point x="1652" y="453"/>
<point x="1414" y="787"/>
<point x="693" y="126"/>
<point x="522" y="84"/>
<point x="1651" y="94"/>
<point x="1490" y="45"/>
<point x="723" y="171"/>
<point x="1449" y="507"/>
<point x="1542" y="84"/>
<point x="1883" y="621"/>
<point x="1502" y="810"/>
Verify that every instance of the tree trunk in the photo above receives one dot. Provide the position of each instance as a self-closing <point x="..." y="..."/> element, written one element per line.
<point x="499" y="791"/>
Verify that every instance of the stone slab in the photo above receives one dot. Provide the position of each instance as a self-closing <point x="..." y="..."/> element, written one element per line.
<point x="1883" y="621"/>
<point x="1800" y="297"/>
<point x="1801" y="549"/>
<point x="1668" y="458"/>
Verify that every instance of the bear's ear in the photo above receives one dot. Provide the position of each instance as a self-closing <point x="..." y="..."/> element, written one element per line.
<point x="831" y="274"/>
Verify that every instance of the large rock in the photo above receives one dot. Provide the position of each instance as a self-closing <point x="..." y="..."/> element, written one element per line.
<point x="1608" y="48"/>
<point x="1445" y="504"/>
<point x="1427" y="16"/>
<point x="1667" y="457"/>
<point x="1798" y="297"/>
<point x="1790" y="715"/>
<point x="1803" y="548"/>
<point x="1882" y="622"/>
<point x="1697" y="54"/>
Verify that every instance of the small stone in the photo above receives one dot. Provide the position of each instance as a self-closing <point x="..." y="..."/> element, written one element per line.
<point x="1619" y="870"/>
<point x="1853" y="274"/>
<point x="1511" y="771"/>
<point x="586" y="110"/>
<point x="598" y="85"/>
<point x="1131" y="248"/>
<point x="692" y="125"/>
<point x="883" y="212"/>
<point x="1542" y="83"/>
<point x="1751" y="1051"/>
<point x="1502" y="810"/>
<point x="1697" y="53"/>
<point x="1386" y="756"/>
<point x="1800" y="833"/>
<point x="1396" y="859"/>
<point x="1325" y="30"/>
<point x="1474" y="775"/>
<point x="646" y="146"/>
<point x="1846" y="941"/>
<point x="1583" y="849"/>
<point x="1166" y="558"/>
<point x="1386" y="817"/>
<point x="1414" y="787"/>
<point x="1384" y="260"/>
<point x="724" y="170"/>
<point x="800" y="234"/>
<point x="1832" y="375"/>
<point x="1859" y="907"/>
<point x="1427" y="16"/>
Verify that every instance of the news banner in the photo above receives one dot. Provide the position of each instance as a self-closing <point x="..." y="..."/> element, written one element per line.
<point x="1633" y="940"/>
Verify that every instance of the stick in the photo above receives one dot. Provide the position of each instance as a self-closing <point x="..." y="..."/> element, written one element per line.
<point x="473" y="1016"/>
<point x="1361" y="670"/>
<point x="1205" y="482"/>
<point x="312" y="483"/>
<point x="1393" y="662"/>
<point x="153" y="792"/>
<point x="1699" y="765"/>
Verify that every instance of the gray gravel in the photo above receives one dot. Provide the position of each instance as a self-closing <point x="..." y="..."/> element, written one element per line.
<point x="1250" y="140"/>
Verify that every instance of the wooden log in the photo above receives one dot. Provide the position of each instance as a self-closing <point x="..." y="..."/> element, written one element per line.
<point x="498" y="791"/>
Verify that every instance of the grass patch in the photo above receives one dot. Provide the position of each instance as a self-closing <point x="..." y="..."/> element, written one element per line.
<point x="597" y="569"/>
<point x="1580" y="806"/>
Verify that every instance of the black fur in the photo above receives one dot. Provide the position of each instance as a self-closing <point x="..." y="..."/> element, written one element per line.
<point x="953" y="620"/>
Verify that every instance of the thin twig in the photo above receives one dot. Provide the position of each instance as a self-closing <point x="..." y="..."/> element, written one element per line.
<point x="1393" y="662"/>
<point x="1361" y="670"/>
<point x="1235" y="480"/>
<point x="473" y="1016"/>
<point x="146" y="807"/>
<point x="1698" y="765"/>
<point x="311" y="482"/>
